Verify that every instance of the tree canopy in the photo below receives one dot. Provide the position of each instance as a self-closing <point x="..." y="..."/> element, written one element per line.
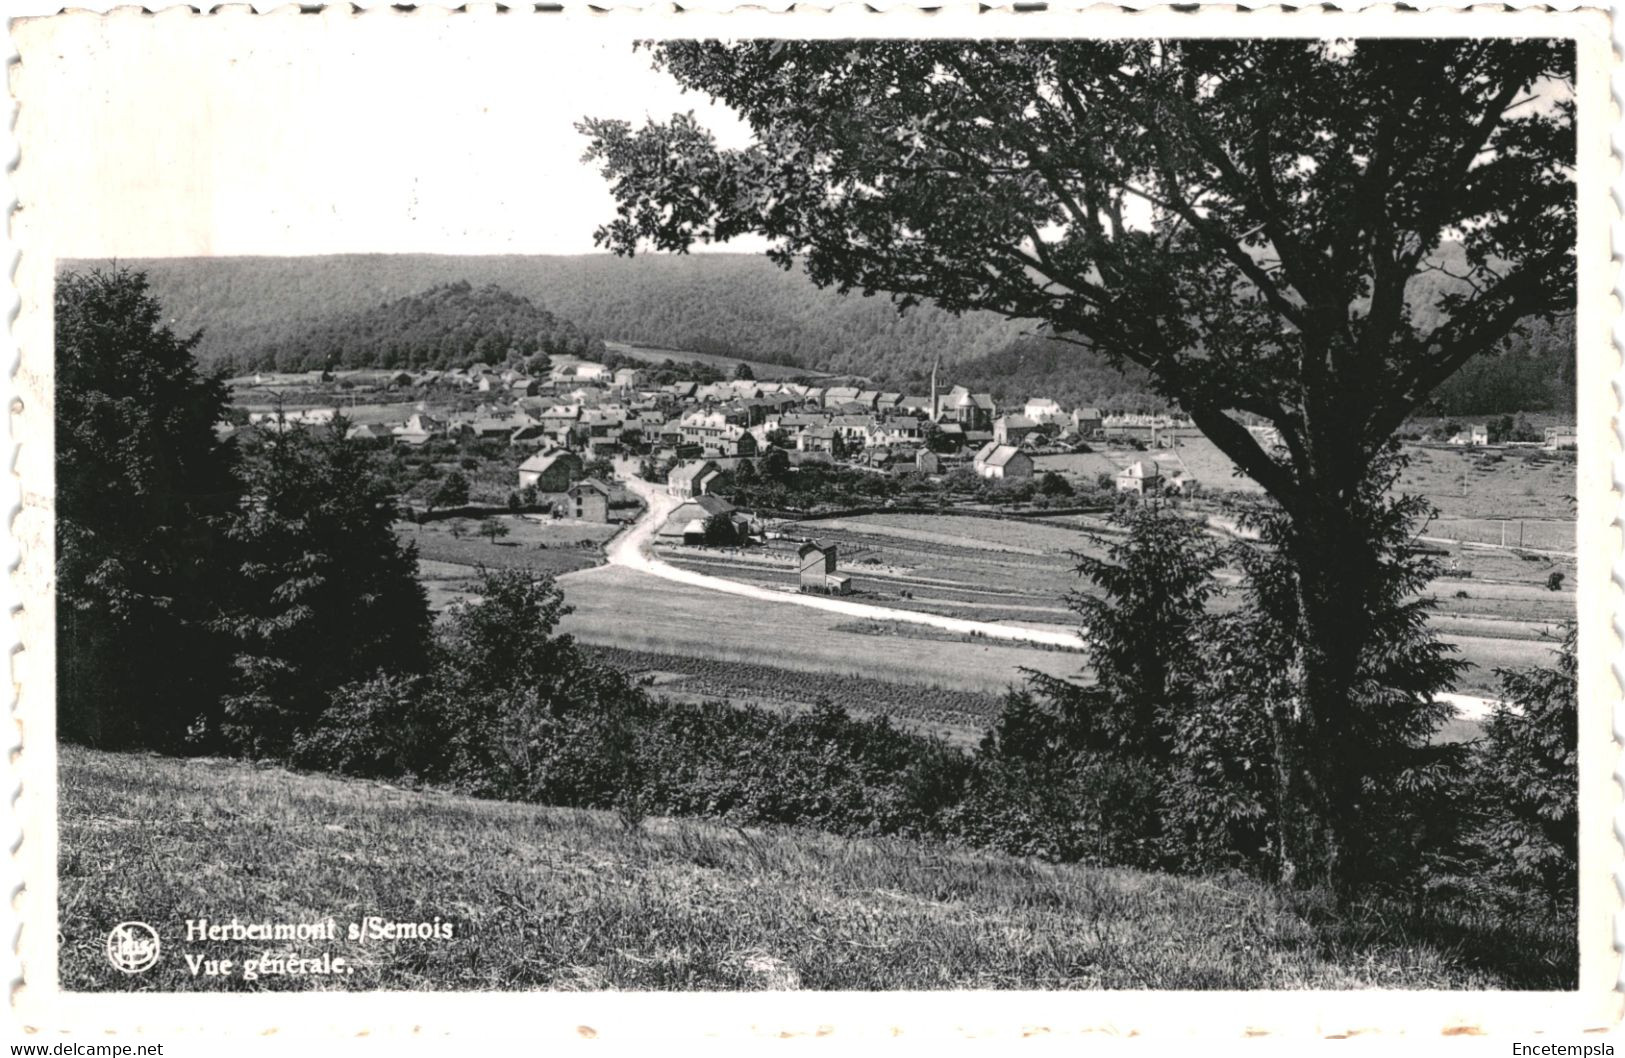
<point x="1311" y="233"/>
<point x="1241" y="218"/>
<point x="141" y="486"/>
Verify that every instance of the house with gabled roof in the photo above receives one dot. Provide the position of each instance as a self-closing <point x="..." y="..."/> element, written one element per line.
<point x="1042" y="410"/>
<point x="1143" y="476"/>
<point x="1012" y="429"/>
<point x="696" y="509"/>
<point x="551" y="471"/>
<point x="692" y="479"/>
<point x="1003" y="461"/>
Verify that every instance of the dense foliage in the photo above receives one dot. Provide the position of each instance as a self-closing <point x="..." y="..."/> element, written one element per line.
<point x="730" y="304"/>
<point x="324" y="591"/>
<point x="1527" y="796"/>
<point x="210" y="595"/>
<point x="449" y="325"/>
<point x="142" y="487"/>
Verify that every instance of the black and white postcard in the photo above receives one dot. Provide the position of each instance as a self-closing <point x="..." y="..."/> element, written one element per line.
<point x="654" y="524"/>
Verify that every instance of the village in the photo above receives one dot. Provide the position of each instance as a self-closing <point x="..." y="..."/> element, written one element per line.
<point x="940" y="509"/>
<point x="689" y="433"/>
<point x="554" y="436"/>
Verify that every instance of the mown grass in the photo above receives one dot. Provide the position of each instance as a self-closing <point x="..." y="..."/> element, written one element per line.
<point x="961" y="717"/>
<point x="549" y="898"/>
<point x="673" y="618"/>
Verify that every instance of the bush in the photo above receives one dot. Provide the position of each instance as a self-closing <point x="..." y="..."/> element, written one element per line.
<point x="1527" y="791"/>
<point x="376" y="728"/>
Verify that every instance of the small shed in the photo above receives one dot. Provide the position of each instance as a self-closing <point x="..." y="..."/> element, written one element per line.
<point x="818" y="562"/>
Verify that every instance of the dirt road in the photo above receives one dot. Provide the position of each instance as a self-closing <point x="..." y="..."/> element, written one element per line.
<point x="632" y="550"/>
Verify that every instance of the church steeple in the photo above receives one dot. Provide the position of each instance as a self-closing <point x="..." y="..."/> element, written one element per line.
<point x="935" y="411"/>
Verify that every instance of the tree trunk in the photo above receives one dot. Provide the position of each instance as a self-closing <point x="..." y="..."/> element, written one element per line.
<point x="1317" y="754"/>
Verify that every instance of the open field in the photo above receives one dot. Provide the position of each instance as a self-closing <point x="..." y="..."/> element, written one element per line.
<point x="961" y="717"/>
<point x="621" y="608"/>
<point x="763" y="371"/>
<point x="1491" y="484"/>
<point x="447" y="564"/>
<point x="1495" y="607"/>
<point x="547" y="898"/>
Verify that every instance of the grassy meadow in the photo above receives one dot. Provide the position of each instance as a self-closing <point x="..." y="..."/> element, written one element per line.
<point x="546" y="898"/>
<point x="615" y="607"/>
<point x="961" y="717"/>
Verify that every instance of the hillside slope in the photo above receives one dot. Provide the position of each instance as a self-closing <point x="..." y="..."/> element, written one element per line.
<point x="733" y="304"/>
<point x="562" y="899"/>
<point x="743" y="306"/>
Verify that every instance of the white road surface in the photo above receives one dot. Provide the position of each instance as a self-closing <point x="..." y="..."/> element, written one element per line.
<point x="631" y="550"/>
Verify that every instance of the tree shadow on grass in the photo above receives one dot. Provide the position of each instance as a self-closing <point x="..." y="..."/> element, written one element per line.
<point x="1519" y="951"/>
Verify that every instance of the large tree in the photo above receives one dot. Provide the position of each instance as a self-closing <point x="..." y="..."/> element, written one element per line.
<point x="324" y="591"/>
<point x="1309" y="233"/>
<point x="142" y="482"/>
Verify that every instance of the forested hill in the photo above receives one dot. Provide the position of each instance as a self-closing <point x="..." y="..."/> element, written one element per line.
<point x="730" y="304"/>
<point x="451" y="325"/>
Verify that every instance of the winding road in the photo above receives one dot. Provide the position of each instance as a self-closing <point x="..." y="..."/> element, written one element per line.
<point x="632" y="549"/>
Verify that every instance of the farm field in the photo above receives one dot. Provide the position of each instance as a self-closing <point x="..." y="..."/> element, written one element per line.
<point x="615" y="607"/>
<point x="447" y="564"/>
<point x="569" y="900"/>
<point x="1479" y="484"/>
<point x="1464" y="483"/>
<point x="764" y="372"/>
<point x="960" y="717"/>
<point x="1496" y="608"/>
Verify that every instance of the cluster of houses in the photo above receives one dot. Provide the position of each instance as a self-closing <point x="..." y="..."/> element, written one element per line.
<point x="583" y="410"/>
<point x="1553" y="439"/>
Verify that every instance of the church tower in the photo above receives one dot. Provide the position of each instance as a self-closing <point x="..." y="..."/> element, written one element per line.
<point x="934" y="409"/>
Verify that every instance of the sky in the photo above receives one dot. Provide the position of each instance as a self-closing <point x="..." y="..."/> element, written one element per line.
<point x="175" y="137"/>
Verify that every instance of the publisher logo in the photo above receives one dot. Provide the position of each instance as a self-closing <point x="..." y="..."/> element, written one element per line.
<point x="132" y="947"/>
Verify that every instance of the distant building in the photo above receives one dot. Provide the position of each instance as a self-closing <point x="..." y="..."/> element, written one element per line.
<point x="553" y="471"/>
<point x="1561" y="437"/>
<point x="1003" y="461"/>
<point x="1012" y="429"/>
<point x="1042" y="409"/>
<point x="679" y="523"/>
<point x="688" y="480"/>
<point x="972" y="411"/>
<point x="818" y="569"/>
<point x="926" y="461"/>
<point x="817" y="439"/>
<point x="1087" y="422"/>
<point x="1140" y="477"/>
<point x="1480" y="435"/>
<point x="1176" y="480"/>
<point x="589" y="500"/>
